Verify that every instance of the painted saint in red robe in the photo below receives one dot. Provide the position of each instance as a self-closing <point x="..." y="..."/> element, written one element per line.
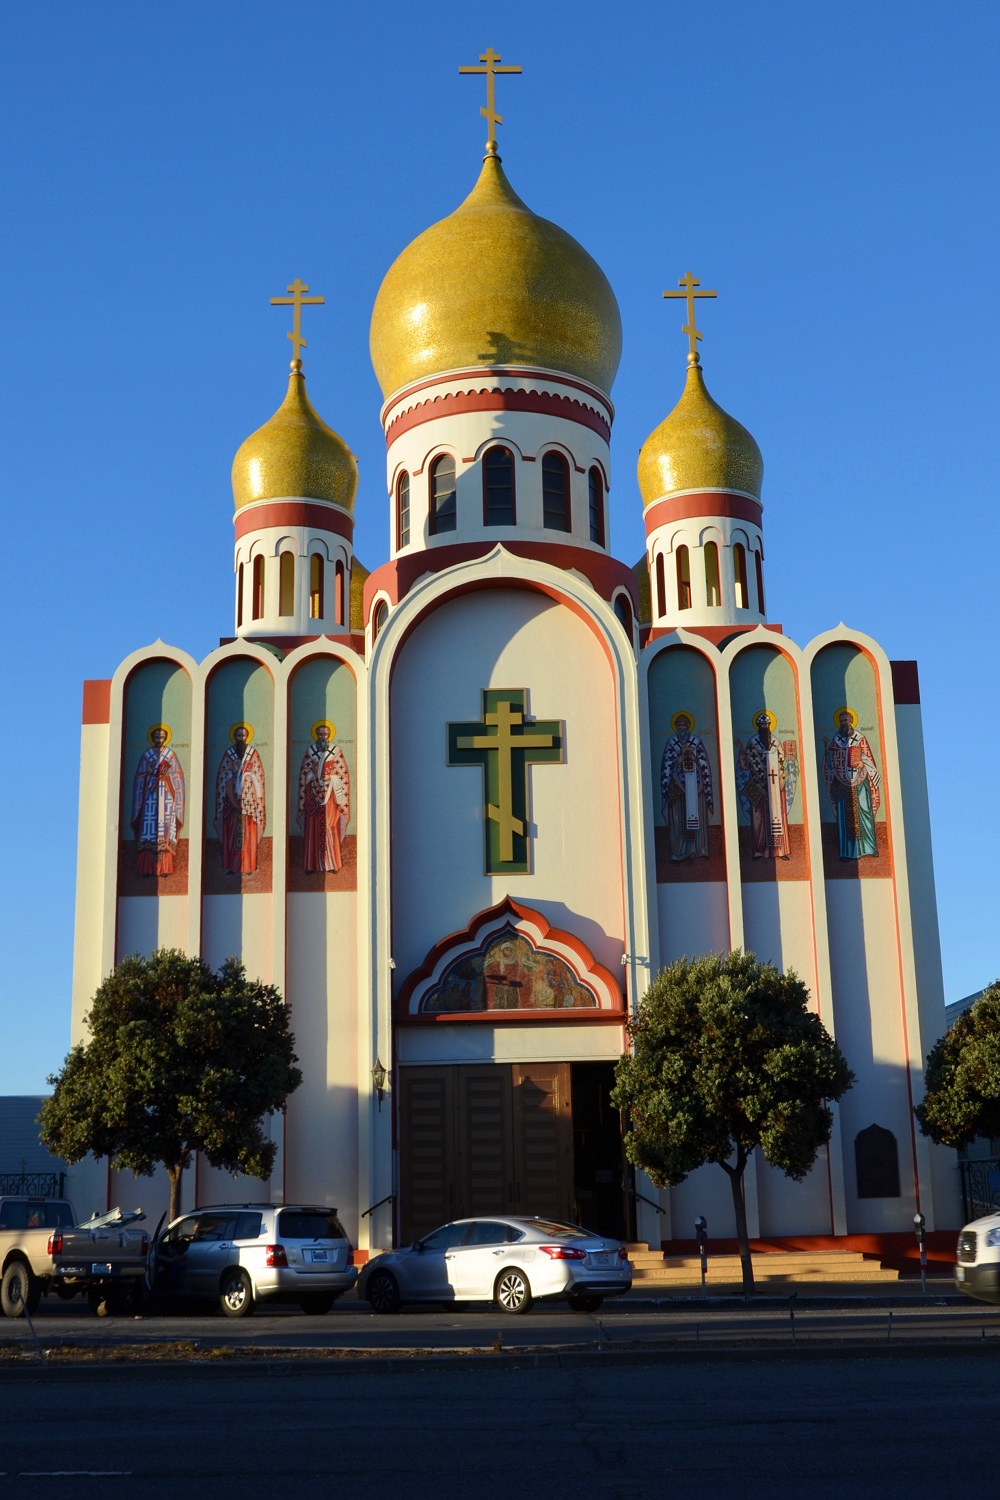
<point x="240" y="803"/>
<point x="324" y="801"/>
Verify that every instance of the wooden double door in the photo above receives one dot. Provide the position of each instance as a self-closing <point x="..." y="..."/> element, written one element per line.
<point x="484" y="1139"/>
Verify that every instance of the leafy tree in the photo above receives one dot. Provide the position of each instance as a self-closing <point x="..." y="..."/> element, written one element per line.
<point x="963" y="1077"/>
<point x="725" y="1058"/>
<point x="179" y="1060"/>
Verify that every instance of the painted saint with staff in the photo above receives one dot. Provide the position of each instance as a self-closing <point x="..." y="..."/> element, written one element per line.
<point x="686" y="789"/>
<point x="158" y="797"/>
<point x="854" y="786"/>
<point x="324" y="800"/>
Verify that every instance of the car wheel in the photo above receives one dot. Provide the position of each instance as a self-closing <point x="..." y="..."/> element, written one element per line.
<point x="512" y="1293"/>
<point x="317" y="1302"/>
<point x="584" y="1304"/>
<point x="236" y="1293"/>
<point x="20" y="1290"/>
<point x="382" y="1292"/>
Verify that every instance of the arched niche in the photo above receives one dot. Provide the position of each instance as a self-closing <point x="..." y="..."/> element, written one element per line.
<point x="156" y="774"/>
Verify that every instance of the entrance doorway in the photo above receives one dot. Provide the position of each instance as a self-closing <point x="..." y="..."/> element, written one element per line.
<point x="521" y="1138"/>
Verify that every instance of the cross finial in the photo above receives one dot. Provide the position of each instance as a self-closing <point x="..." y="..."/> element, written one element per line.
<point x="490" y="59"/>
<point x="689" y="283"/>
<point x="297" y="300"/>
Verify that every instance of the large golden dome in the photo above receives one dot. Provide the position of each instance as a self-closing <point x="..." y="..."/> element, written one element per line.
<point x="295" y="454"/>
<point x="493" y="284"/>
<point x="699" y="447"/>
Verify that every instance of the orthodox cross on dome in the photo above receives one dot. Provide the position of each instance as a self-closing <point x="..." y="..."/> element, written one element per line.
<point x="691" y="286"/>
<point x="504" y="746"/>
<point x="491" y="68"/>
<point x="297" y="300"/>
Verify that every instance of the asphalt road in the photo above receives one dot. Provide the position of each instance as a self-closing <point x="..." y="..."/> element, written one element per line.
<point x="857" y="1426"/>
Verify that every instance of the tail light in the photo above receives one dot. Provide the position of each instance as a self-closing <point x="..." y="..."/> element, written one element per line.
<point x="563" y="1252"/>
<point x="350" y="1255"/>
<point x="623" y="1253"/>
<point x="274" y="1255"/>
<point x="55" y="1243"/>
<point x="144" y="1245"/>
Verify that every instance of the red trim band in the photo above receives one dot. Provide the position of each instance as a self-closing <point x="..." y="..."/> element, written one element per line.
<point x="707" y="503"/>
<point x="97" y="700"/>
<point x="905" y="682"/>
<point x="542" y="402"/>
<point x="311" y="513"/>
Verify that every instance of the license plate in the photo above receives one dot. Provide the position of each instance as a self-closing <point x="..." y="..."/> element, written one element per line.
<point x="317" y="1255"/>
<point x="600" y="1260"/>
<point x="101" y="1268"/>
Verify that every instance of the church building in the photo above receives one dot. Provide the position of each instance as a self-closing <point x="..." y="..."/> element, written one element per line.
<point x="462" y="808"/>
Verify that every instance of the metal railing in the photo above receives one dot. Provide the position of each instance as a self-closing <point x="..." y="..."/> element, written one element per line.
<point x="33" y="1184"/>
<point x="980" y="1187"/>
<point x="389" y="1198"/>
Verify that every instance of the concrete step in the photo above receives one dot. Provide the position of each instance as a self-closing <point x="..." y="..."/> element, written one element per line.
<point x="654" y="1268"/>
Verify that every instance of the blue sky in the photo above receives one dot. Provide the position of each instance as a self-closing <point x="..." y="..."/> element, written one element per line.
<point x="165" y="170"/>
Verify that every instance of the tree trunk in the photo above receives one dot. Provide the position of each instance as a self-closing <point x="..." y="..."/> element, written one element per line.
<point x="740" y="1207"/>
<point x="174" y="1175"/>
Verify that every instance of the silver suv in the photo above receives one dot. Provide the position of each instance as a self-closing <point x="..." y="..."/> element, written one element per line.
<point x="242" y="1253"/>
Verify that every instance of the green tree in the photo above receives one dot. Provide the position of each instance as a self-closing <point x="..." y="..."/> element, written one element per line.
<point x="179" y="1060"/>
<point x="726" y="1057"/>
<point x="962" y="1077"/>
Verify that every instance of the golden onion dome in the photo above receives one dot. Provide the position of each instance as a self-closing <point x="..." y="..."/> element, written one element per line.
<point x="699" y="447"/>
<point x="295" y="454"/>
<point x="494" y="284"/>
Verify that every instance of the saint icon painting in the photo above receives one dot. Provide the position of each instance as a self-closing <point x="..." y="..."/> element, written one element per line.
<point x="766" y="776"/>
<point x="854" y="786"/>
<point x="324" y="800"/>
<point x="686" y="789"/>
<point x="240" y="802"/>
<point x="157" y="804"/>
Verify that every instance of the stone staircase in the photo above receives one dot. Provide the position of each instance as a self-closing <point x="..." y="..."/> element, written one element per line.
<point x="653" y="1269"/>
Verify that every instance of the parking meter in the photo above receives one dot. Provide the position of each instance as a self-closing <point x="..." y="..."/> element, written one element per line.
<point x="921" y="1233"/>
<point x="701" y="1231"/>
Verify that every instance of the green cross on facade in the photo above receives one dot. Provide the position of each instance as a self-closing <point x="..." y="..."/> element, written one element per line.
<point x="504" y="746"/>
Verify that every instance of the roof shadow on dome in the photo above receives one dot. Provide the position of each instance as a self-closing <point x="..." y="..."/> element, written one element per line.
<point x="504" y="350"/>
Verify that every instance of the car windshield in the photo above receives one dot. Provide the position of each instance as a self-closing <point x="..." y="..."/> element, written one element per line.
<point x="309" y="1224"/>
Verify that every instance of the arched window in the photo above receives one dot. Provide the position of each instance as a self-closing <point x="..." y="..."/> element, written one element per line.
<point x="379" y="618"/>
<point x="623" y="610"/>
<point x="555" y="492"/>
<point x="498" y="487"/>
<point x="338" y="593"/>
<point x="286" y="584"/>
<point x="760" y="581"/>
<point x="316" y="570"/>
<point x="683" y="578"/>
<point x="740" y="569"/>
<point x="402" y="511"/>
<point x="661" y="587"/>
<point x="595" y="485"/>
<point x="239" y="597"/>
<point x="257" y="603"/>
<point x="713" y="593"/>
<point x="442" y="513"/>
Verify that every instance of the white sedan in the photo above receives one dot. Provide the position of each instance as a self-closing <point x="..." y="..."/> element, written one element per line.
<point x="507" y="1261"/>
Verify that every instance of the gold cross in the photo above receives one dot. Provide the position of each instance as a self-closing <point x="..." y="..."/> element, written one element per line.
<point x="298" y="301"/>
<point x="500" y="740"/>
<point x="689" y="282"/>
<point x="491" y="59"/>
<point x="505" y="719"/>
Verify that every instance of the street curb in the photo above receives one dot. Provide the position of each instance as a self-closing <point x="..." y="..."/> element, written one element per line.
<point x="424" y="1362"/>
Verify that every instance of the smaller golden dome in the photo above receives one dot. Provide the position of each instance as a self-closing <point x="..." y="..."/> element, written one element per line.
<point x="699" y="447"/>
<point x="295" y="454"/>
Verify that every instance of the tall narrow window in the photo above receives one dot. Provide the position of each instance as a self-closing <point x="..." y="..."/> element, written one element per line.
<point x="740" y="570"/>
<point x="760" y="582"/>
<point x="498" y="487"/>
<point x="623" y="610"/>
<point x="402" y="511"/>
<point x="338" y="594"/>
<point x="683" y="578"/>
<point x="713" y="593"/>
<point x="257" y="609"/>
<point x="379" y="618"/>
<point x="595" y="486"/>
<point x="661" y="587"/>
<point x="286" y="584"/>
<point x="555" y="492"/>
<point x="442" y="515"/>
<point x="316" y="610"/>
<point x="239" y="597"/>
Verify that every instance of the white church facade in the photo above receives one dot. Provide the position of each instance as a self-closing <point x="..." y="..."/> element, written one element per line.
<point x="462" y="808"/>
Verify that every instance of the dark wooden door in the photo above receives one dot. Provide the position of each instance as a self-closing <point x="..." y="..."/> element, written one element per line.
<point x="483" y="1139"/>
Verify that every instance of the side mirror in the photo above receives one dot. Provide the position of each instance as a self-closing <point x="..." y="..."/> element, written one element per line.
<point x="418" y="1245"/>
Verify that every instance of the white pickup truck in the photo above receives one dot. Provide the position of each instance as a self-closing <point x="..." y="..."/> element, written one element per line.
<point x="977" y="1269"/>
<point x="43" y="1249"/>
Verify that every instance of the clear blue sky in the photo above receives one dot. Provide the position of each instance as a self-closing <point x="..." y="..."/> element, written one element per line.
<point x="832" y="170"/>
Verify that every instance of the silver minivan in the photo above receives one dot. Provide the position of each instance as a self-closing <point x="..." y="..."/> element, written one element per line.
<point x="238" y="1254"/>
